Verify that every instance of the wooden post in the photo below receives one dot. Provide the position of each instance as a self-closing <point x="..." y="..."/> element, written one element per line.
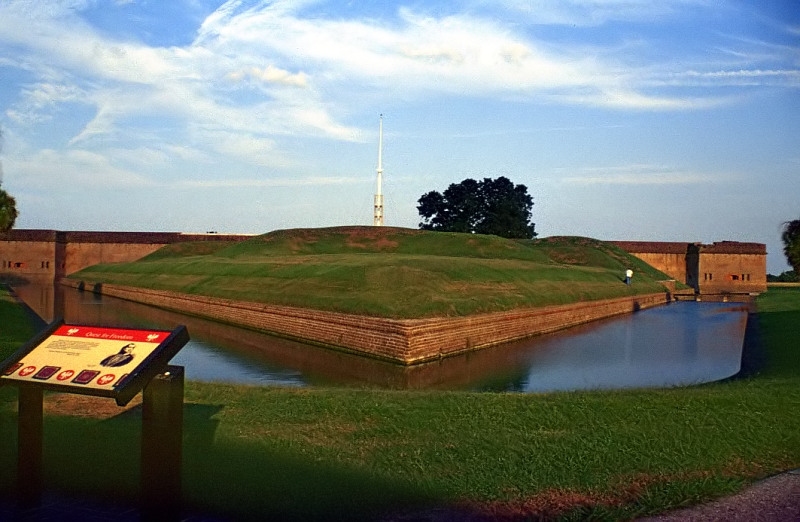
<point x="30" y="422"/>
<point x="162" y="441"/>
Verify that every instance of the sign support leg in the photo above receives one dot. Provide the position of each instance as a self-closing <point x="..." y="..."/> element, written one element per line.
<point x="162" y="441"/>
<point x="29" y="446"/>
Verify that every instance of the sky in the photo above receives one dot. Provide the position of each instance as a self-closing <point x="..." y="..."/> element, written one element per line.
<point x="653" y="120"/>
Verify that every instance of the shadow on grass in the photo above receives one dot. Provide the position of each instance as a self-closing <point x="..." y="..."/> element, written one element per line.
<point x="779" y="331"/>
<point x="232" y="480"/>
<point x="247" y="481"/>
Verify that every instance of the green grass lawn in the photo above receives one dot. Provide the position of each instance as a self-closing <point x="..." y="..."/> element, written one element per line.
<point x="254" y="453"/>
<point x="15" y="324"/>
<point x="390" y="272"/>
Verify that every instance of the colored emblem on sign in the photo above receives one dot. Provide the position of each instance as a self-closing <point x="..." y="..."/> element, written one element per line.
<point x="66" y="374"/>
<point x="106" y="379"/>
<point x="46" y="372"/>
<point x="12" y="369"/>
<point x="121" y="380"/>
<point x="27" y="371"/>
<point x="85" y="377"/>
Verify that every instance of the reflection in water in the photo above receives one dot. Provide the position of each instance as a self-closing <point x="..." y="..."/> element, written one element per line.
<point x="675" y="345"/>
<point x="683" y="343"/>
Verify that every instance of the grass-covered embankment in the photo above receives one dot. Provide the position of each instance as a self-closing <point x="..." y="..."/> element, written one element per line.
<point x="305" y="454"/>
<point x="391" y="272"/>
<point x="15" y="324"/>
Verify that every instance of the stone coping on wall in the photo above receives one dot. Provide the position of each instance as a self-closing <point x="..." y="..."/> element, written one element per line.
<point x="402" y="341"/>
<point x="141" y="238"/>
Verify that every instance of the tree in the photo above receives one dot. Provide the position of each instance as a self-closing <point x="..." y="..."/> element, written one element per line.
<point x="791" y="243"/>
<point x="8" y="211"/>
<point x="790" y="276"/>
<point x="490" y="206"/>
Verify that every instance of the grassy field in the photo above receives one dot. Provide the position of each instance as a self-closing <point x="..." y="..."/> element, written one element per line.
<point x="255" y="453"/>
<point x="15" y="324"/>
<point x="390" y="272"/>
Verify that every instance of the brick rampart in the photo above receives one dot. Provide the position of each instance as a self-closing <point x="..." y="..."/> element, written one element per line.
<point x="724" y="267"/>
<point x="50" y="254"/>
<point x="404" y="341"/>
<point x="34" y="258"/>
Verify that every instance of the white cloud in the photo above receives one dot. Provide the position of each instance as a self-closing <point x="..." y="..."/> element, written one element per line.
<point x="593" y="12"/>
<point x="741" y="77"/>
<point x="72" y="170"/>
<point x="246" y="148"/>
<point x="259" y="69"/>
<point x="638" y="174"/>
<point x="310" y="181"/>
<point x="38" y="101"/>
<point x="271" y="74"/>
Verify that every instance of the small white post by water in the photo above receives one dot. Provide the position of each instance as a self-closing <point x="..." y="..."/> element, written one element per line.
<point x="377" y="217"/>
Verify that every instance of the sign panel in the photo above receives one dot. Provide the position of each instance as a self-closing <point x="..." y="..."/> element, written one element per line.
<point x="87" y="356"/>
<point x="94" y="360"/>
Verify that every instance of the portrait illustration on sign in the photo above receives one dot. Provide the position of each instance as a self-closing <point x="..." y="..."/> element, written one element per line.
<point x="121" y="358"/>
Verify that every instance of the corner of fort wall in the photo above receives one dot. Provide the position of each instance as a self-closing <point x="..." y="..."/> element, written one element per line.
<point x="402" y="341"/>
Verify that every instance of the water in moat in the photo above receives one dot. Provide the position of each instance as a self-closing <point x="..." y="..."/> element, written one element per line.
<point x="678" y="344"/>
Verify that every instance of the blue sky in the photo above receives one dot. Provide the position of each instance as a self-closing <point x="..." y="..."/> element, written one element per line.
<point x="662" y="120"/>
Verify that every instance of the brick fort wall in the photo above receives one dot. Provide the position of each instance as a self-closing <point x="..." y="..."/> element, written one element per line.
<point x="403" y="341"/>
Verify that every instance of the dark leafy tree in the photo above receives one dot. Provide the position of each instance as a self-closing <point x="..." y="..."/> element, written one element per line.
<point x="791" y="243"/>
<point x="789" y="276"/>
<point x="8" y="211"/>
<point x="490" y="206"/>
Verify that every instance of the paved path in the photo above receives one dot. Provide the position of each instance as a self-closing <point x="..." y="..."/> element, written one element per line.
<point x="775" y="499"/>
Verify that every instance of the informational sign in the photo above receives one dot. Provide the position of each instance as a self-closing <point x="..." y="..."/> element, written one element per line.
<point x="94" y="360"/>
<point x="86" y="356"/>
<point x="106" y="362"/>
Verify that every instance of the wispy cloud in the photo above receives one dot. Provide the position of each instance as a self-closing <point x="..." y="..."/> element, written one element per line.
<point x="270" y="74"/>
<point x="594" y="12"/>
<point x="638" y="174"/>
<point x="259" y="69"/>
<point x="312" y="181"/>
<point x="39" y="100"/>
<point x="752" y="77"/>
<point x="77" y="170"/>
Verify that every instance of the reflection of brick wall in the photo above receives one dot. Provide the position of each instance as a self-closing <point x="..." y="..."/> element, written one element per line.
<point x="403" y="341"/>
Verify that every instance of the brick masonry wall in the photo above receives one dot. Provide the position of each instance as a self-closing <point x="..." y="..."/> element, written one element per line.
<point x="732" y="272"/>
<point x="35" y="260"/>
<point x="81" y="255"/>
<point x="674" y="265"/>
<point x="49" y="254"/>
<point x="404" y="341"/>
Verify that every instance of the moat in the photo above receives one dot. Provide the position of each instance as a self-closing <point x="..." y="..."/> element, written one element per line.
<point x="674" y="345"/>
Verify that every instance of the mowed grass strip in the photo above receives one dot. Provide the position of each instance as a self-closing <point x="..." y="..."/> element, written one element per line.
<point x="255" y="453"/>
<point x="398" y="273"/>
